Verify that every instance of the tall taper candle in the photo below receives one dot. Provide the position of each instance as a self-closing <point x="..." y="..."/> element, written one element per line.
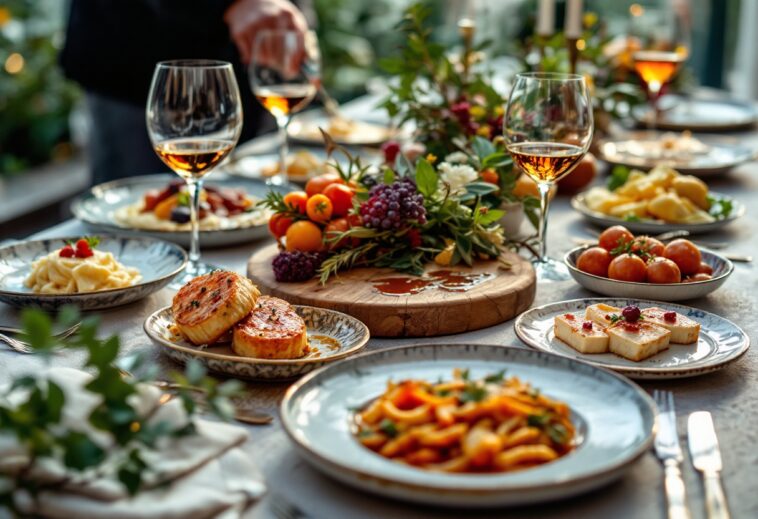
<point x="546" y="18"/>
<point x="573" y="27"/>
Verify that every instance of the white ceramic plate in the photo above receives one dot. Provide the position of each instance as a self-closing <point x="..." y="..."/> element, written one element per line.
<point x="332" y="336"/>
<point x="158" y="262"/>
<point x="721" y="341"/>
<point x="722" y="269"/>
<point x="655" y="226"/>
<point x="306" y="130"/>
<point x="720" y="156"/>
<point x="704" y="115"/>
<point x="97" y="206"/>
<point x="614" y="416"/>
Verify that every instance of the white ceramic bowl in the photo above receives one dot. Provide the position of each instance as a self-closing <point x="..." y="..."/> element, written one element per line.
<point x="722" y="269"/>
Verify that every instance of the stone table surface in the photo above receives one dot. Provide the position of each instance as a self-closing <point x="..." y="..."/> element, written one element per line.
<point x="730" y="394"/>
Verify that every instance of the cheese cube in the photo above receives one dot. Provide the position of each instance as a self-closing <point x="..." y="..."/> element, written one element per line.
<point x="571" y="330"/>
<point x="600" y="313"/>
<point x="683" y="329"/>
<point x="637" y="341"/>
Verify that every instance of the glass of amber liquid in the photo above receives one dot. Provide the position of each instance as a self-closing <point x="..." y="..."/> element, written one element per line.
<point x="656" y="68"/>
<point x="548" y="129"/>
<point x="285" y="74"/>
<point x="194" y="119"/>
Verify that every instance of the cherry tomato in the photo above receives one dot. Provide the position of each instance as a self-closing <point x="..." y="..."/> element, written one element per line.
<point x="627" y="267"/>
<point x="615" y="236"/>
<point x="704" y="268"/>
<point x="341" y="197"/>
<point x="297" y="201"/>
<point x="278" y="225"/>
<point x="594" y="260"/>
<point x="304" y="236"/>
<point x="646" y="244"/>
<point x="700" y="276"/>
<point x="685" y="254"/>
<point x="491" y="176"/>
<point x="663" y="270"/>
<point x="319" y="208"/>
<point x="334" y="229"/>
<point x="317" y="184"/>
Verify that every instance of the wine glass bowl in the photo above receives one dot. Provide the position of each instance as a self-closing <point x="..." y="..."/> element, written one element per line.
<point x="194" y="119"/>
<point x="285" y="77"/>
<point x="548" y="129"/>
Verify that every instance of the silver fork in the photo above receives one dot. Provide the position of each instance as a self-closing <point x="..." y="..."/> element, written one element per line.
<point x="20" y="346"/>
<point x="283" y="509"/>
<point x="670" y="453"/>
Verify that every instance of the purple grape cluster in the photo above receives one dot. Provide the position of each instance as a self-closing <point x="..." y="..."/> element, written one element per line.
<point x="294" y="266"/>
<point x="393" y="206"/>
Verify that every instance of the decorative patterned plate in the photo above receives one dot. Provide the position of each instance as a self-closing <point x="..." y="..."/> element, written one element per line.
<point x="722" y="269"/>
<point x="158" y="262"/>
<point x="719" y="157"/>
<point x="615" y="419"/>
<point x="721" y="341"/>
<point x="332" y="336"/>
<point x="655" y="226"/>
<point x="97" y="207"/>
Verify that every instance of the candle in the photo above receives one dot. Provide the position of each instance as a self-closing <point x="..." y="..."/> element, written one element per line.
<point x="546" y="17"/>
<point x="573" y="27"/>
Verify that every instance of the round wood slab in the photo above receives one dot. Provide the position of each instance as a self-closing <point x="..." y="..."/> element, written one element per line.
<point x="429" y="313"/>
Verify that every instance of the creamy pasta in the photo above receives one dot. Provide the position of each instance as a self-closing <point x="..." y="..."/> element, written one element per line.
<point x="54" y="274"/>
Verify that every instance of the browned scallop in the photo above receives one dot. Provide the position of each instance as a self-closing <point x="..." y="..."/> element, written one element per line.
<point x="272" y="331"/>
<point x="210" y="305"/>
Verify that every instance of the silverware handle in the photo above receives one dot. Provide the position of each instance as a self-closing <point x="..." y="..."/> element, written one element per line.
<point x="675" y="494"/>
<point x="715" y="499"/>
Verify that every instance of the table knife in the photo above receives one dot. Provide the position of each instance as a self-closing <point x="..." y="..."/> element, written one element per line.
<point x="706" y="457"/>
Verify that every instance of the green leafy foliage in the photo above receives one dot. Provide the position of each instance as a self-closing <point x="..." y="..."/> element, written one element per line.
<point x="719" y="207"/>
<point x="34" y="416"/>
<point x="619" y="176"/>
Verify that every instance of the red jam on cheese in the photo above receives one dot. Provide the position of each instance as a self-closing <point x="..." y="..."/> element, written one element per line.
<point x="670" y="317"/>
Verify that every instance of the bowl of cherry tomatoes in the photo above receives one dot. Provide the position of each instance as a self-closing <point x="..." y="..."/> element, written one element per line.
<point x="624" y="265"/>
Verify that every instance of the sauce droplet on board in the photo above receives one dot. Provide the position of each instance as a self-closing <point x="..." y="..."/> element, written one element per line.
<point x="448" y="280"/>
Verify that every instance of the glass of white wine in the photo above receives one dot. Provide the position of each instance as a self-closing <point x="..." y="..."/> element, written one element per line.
<point x="194" y="119"/>
<point x="548" y="129"/>
<point x="285" y="74"/>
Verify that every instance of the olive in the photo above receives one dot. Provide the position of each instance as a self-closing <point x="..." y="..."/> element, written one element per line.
<point x="180" y="214"/>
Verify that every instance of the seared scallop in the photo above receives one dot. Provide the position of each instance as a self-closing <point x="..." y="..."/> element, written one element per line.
<point x="210" y="305"/>
<point x="272" y="331"/>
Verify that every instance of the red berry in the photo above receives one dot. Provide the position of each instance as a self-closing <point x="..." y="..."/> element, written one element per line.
<point x="391" y="150"/>
<point x="84" y="253"/>
<point x="81" y="243"/>
<point x="67" y="252"/>
<point x="587" y="326"/>
<point x="670" y="317"/>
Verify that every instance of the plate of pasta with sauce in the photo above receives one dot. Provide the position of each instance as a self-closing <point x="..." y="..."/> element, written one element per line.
<point x="468" y="425"/>
<point x="90" y="272"/>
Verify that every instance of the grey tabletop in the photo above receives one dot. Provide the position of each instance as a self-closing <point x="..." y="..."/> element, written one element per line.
<point x="730" y="394"/>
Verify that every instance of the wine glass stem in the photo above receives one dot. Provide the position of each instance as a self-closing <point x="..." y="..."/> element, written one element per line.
<point x="544" y="189"/>
<point x="194" y="186"/>
<point x="655" y="90"/>
<point x="281" y="177"/>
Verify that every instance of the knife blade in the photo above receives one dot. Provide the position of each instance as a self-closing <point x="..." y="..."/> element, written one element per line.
<point x="706" y="457"/>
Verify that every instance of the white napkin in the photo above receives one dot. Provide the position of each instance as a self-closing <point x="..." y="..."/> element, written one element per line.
<point x="210" y="473"/>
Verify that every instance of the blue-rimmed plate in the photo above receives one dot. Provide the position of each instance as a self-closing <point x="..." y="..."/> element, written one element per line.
<point x="158" y="262"/>
<point x="615" y="418"/>
<point x="102" y="207"/>
<point x="722" y="269"/>
<point x="332" y="336"/>
<point x="720" y="343"/>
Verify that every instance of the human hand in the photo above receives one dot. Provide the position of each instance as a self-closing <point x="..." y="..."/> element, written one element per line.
<point x="246" y="17"/>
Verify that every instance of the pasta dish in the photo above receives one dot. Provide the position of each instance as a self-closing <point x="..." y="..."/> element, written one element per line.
<point x="75" y="269"/>
<point x="494" y="424"/>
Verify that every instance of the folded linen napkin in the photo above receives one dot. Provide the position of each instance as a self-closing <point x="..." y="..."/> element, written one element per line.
<point x="208" y="474"/>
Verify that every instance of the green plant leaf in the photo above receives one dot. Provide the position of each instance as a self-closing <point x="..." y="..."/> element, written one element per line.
<point x="426" y="178"/>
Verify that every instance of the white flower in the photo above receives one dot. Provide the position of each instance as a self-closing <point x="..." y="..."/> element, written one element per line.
<point x="494" y="235"/>
<point x="456" y="176"/>
<point x="457" y="157"/>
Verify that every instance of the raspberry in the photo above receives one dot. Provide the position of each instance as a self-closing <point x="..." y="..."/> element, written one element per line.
<point x="67" y="252"/>
<point x="631" y="314"/>
<point x="394" y="206"/>
<point x="293" y="266"/>
<point x="83" y="249"/>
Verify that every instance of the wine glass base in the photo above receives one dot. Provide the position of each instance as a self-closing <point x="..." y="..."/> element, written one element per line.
<point x="277" y="180"/>
<point x="190" y="273"/>
<point x="550" y="270"/>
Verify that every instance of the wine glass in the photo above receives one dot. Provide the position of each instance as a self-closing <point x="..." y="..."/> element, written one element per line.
<point x="284" y="76"/>
<point x="194" y="119"/>
<point x="548" y="128"/>
<point x="663" y="32"/>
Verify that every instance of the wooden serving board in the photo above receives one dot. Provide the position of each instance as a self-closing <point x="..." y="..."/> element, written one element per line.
<point x="430" y="313"/>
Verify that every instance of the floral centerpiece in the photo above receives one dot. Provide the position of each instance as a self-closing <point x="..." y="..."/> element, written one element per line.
<point x="401" y="218"/>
